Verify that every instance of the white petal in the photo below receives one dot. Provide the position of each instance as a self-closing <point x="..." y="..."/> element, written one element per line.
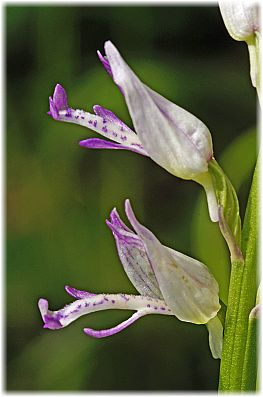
<point x="172" y="137"/>
<point x="241" y="17"/>
<point x="187" y="286"/>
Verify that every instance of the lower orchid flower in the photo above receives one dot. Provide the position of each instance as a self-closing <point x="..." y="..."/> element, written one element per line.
<point x="172" y="137"/>
<point x="168" y="282"/>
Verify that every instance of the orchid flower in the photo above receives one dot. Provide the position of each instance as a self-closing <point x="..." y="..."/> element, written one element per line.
<point x="168" y="282"/>
<point x="168" y="134"/>
<point x="242" y="20"/>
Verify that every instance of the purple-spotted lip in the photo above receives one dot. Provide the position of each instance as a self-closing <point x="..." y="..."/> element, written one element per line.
<point x="96" y="302"/>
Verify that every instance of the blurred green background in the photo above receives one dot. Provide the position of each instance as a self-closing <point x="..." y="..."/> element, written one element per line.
<point x="59" y="195"/>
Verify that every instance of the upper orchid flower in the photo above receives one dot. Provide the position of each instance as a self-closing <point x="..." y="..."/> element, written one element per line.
<point x="242" y="21"/>
<point x="171" y="136"/>
<point x="241" y="18"/>
<point x="169" y="283"/>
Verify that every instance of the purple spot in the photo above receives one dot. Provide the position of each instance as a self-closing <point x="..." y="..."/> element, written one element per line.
<point x="86" y="304"/>
<point x="76" y="117"/>
<point x="68" y="114"/>
<point x="83" y="117"/>
<point x="51" y="322"/>
<point x="106" y="299"/>
<point x="104" y="128"/>
<point x="122" y="129"/>
<point x="115" y="134"/>
<point x="148" y="305"/>
<point x="123" y="138"/>
<point x="113" y="301"/>
<point x="163" y="308"/>
<point x="155" y="307"/>
<point x="104" y="121"/>
<point x="79" y="306"/>
<point x="137" y="144"/>
<point x="94" y="304"/>
<point x="95" y="123"/>
<point x="90" y="122"/>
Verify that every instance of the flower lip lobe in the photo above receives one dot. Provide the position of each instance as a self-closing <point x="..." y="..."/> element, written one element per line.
<point x="78" y="294"/>
<point x="97" y="143"/>
<point x="51" y="322"/>
<point x="53" y="111"/>
<point x="58" y="103"/>
<point x="60" y="98"/>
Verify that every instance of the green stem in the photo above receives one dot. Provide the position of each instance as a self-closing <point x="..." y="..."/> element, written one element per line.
<point x="230" y="326"/>
<point x="249" y="378"/>
<point x="241" y="299"/>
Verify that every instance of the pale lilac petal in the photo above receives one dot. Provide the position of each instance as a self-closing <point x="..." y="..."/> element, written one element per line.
<point x="172" y="137"/>
<point x="107" y="67"/>
<point x="126" y="236"/>
<point x="43" y="307"/>
<point x="197" y="134"/>
<point x="134" y="259"/>
<point x="105" y="63"/>
<point x="78" y="294"/>
<point x="120" y="327"/>
<point x="186" y="284"/>
<point x="97" y="143"/>
<point x="116" y="220"/>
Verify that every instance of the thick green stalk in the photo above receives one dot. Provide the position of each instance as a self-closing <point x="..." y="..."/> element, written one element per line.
<point x="228" y="353"/>
<point x="242" y="296"/>
<point x="249" y="284"/>
<point x="249" y="376"/>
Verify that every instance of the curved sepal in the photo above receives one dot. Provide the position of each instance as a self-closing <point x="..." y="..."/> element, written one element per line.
<point x="187" y="286"/>
<point x="228" y="211"/>
<point x="215" y="330"/>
